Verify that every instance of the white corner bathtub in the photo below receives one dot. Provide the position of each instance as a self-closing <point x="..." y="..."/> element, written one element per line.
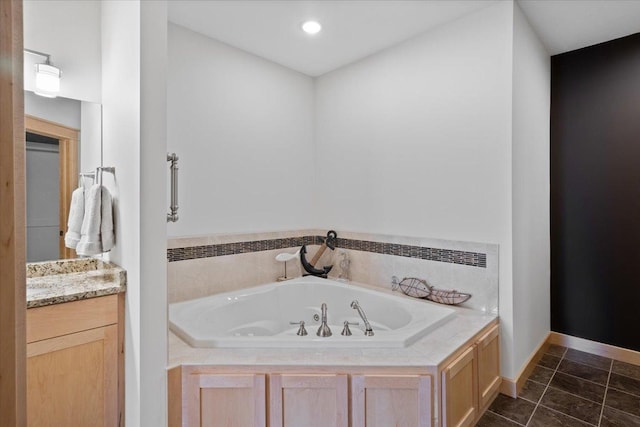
<point x="260" y="316"/>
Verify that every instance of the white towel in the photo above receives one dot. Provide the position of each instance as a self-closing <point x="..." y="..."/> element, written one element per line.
<point x="76" y="215"/>
<point x="90" y="242"/>
<point x="106" y="224"/>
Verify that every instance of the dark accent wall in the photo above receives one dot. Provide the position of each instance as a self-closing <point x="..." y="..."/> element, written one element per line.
<point x="595" y="193"/>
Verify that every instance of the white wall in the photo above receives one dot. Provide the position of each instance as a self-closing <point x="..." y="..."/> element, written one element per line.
<point x="416" y="141"/>
<point x="134" y="45"/>
<point x="90" y="136"/>
<point x="531" y="253"/>
<point x="69" y="31"/>
<point x="243" y="128"/>
<point x="153" y="218"/>
<point x="121" y="148"/>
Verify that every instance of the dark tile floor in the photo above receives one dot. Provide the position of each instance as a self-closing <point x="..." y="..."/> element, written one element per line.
<point x="572" y="388"/>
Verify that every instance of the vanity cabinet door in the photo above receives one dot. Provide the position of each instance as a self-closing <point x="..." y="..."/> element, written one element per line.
<point x="459" y="390"/>
<point x="489" y="378"/>
<point x="389" y="400"/>
<point x="225" y="400"/>
<point x="72" y="380"/>
<point x="308" y="400"/>
<point x="75" y="358"/>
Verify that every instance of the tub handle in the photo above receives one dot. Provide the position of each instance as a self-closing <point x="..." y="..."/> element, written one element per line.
<point x="346" y="331"/>
<point x="301" y="330"/>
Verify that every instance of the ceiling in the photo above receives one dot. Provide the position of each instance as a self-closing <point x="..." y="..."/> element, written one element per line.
<point x="351" y="29"/>
<point x="354" y="29"/>
<point x="565" y="25"/>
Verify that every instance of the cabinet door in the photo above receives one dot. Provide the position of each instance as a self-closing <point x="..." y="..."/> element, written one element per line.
<point x="308" y="400"/>
<point x="488" y="366"/>
<point x="225" y="400"/>
<point x="459" y="390"/>
<point x="72" y="380"/>
<point x="380" y="400"/>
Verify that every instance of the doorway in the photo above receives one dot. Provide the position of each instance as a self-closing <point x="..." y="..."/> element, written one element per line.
<point x="47" y="133"/>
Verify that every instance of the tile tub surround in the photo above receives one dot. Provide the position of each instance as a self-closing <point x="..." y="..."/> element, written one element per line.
<point x="572" y="388"/>
<point x="55" y="282"/>
<point x="205" y="275"/>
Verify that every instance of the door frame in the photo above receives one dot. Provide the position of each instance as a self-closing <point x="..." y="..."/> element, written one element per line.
<point x="68" y="176"/>
<point x="12" y="221"/>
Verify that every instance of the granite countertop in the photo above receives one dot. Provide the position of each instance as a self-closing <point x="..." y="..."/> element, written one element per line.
<point x="430" y="350"/>
<point x="55" y="282"/>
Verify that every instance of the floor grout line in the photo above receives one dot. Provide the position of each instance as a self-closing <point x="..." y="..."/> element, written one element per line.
<point x="624" y="391"/>
<point x="546" y="388"/>
<point x="567" y="415"/>
<point x="576" y="395"/>
<point x="583" y="379"/>
<point x="604" y="399"/>
<point x="590" y="366"/>
<point x="506" y="418"/>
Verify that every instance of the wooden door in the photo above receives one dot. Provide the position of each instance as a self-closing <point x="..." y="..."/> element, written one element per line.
<point x="308" y="400"/>
<point x="387" y="400"/>
<point x="72" y="380"/>
<point x="489" y="378"/>
<point x="223" y="400"/>
<point x="460" y="391"/>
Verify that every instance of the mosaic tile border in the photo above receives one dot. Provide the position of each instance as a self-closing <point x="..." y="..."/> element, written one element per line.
<point x="207" y="251"/>
<point x="473" y="259"/>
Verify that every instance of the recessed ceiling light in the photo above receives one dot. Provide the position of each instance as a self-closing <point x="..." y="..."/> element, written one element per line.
<point x="311" y="27"/>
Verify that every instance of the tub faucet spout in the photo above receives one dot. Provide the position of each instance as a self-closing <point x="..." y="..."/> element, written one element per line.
<point x="324" y="330"/>
<point x="368" y="330"/>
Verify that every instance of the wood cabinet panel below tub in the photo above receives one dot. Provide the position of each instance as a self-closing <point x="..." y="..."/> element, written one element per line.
<point x="489" y="378"/>
<point x="390" y="400"/>
<point x="356" y="396"/>
<point x="226" y="400"/>
<point x="459" y="390"/>
<point x="308" y="400"/>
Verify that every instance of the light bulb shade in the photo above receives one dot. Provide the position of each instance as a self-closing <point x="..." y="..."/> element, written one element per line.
<point x="47" y="80"/>
<point x="311" y="27"/>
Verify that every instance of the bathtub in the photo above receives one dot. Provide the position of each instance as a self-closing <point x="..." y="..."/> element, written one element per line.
<point x="261" y="316"/>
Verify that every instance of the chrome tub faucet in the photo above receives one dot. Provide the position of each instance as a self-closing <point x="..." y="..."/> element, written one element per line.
<point x="324" y="330"/>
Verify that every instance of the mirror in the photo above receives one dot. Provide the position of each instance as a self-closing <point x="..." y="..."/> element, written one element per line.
<point x="64" y="132"/>
<point x="63" y="139"/>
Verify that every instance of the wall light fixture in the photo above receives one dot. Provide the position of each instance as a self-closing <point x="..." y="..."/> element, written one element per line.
<point x="47" y="76"/>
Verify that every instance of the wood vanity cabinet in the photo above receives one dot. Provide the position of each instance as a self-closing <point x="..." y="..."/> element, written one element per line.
<point x="471" y="381"/>
<point x="74" y="363"/>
